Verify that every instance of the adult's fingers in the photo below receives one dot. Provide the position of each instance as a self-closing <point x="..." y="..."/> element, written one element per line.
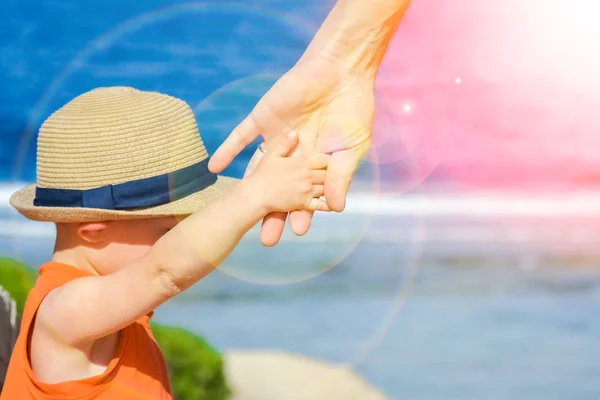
<point x="318" y="176"/>
<point x="272" y="228"/>
<point x="256" y="157"/>
<point x="238" y="139"/>
<point x="300" y="220"/>
<point x="317" y="205"/>
<point x="273" y="223"/>
<point x="318" y="190"/>
<point x="284" y="144"/>
<point x="339" y="175"/>
<point x="319" y="160"/>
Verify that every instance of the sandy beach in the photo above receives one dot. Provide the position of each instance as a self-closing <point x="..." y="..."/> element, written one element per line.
<point x="276" y="375"/>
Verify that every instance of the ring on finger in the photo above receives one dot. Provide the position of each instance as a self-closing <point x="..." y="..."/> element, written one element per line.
<point x="261" y="148"/>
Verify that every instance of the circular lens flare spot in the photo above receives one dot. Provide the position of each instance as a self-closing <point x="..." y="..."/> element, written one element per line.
<point x="331" y="236"/>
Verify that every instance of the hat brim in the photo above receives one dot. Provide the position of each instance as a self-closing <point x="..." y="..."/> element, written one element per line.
<point x="22" y="200"/>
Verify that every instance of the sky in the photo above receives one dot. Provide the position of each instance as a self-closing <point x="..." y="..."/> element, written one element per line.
<point x="471" y="94"/>
<point x="526" y="80"/>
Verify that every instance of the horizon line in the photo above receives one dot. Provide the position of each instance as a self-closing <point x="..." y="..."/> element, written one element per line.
<point x="473" y="203"/>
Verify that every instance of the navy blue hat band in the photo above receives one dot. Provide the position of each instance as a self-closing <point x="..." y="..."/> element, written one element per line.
<point x="141" y="193"/>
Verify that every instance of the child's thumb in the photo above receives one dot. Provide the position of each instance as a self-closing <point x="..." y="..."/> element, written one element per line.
<point x="285" y="144"/>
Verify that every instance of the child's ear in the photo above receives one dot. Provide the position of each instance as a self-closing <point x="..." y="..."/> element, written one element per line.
<point x="92" y="232"/>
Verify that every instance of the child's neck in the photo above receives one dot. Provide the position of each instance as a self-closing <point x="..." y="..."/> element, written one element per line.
<point x="73" y="257"/>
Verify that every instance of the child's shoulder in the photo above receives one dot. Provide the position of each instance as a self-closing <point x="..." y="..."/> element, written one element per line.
<point x="51" y="276"/>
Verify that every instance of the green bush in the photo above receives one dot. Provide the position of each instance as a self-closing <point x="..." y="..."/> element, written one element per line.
<point x="195" y="368"/>
<point x="17" y="280"/>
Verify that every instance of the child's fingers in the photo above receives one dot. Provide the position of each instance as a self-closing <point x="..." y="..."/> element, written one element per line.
<point x="318" y="176"/>
<point x="316" y="204"/>
<point x="319" y="160"/>
<point x="318" y="190"/>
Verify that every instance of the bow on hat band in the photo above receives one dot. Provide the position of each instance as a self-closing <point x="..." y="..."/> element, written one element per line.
<point x="141" y="193"/>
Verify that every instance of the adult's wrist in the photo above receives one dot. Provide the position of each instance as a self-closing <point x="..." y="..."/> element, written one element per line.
<point x="356" y="34"/>
<point x="336" y="56"/>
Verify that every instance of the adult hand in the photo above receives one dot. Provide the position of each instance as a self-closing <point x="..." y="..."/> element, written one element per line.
<point x="331" y="109"/>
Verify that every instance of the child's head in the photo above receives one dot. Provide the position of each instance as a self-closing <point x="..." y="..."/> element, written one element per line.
<point x="107" y="246"/>
<point x="122" y="155"/>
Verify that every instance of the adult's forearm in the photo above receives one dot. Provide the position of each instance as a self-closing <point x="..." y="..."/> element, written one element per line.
<point x="202" y="241"/>
<point x="356" y="33"/>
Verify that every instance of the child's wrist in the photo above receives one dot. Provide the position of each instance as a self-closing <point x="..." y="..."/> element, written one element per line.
<point x="255" y="199"/>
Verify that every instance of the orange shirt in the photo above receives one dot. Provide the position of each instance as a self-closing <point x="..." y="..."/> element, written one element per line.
<point x="136" y="371"/>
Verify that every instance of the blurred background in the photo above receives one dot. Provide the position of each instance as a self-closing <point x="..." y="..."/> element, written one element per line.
<point x="466" y="265"/>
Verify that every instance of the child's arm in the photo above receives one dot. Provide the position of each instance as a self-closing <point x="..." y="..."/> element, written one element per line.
<point x="92" y="307"/>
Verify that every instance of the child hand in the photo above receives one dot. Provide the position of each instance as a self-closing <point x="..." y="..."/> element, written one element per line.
<point x="284" y="183"/>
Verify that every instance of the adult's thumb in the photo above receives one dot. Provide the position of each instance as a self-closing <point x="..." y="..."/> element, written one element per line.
<point x="284" y="144"/>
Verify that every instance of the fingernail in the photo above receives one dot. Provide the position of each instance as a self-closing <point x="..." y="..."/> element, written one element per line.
<point x="292" y="134"/>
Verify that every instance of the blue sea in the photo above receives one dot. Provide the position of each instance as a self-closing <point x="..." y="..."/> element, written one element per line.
<point x="427" y="297"/>
<point x="429" y="305"/>
<point x="220" y="57"/>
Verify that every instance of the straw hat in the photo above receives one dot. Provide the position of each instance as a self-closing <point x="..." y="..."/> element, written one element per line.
<point x="119" y="153"/>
